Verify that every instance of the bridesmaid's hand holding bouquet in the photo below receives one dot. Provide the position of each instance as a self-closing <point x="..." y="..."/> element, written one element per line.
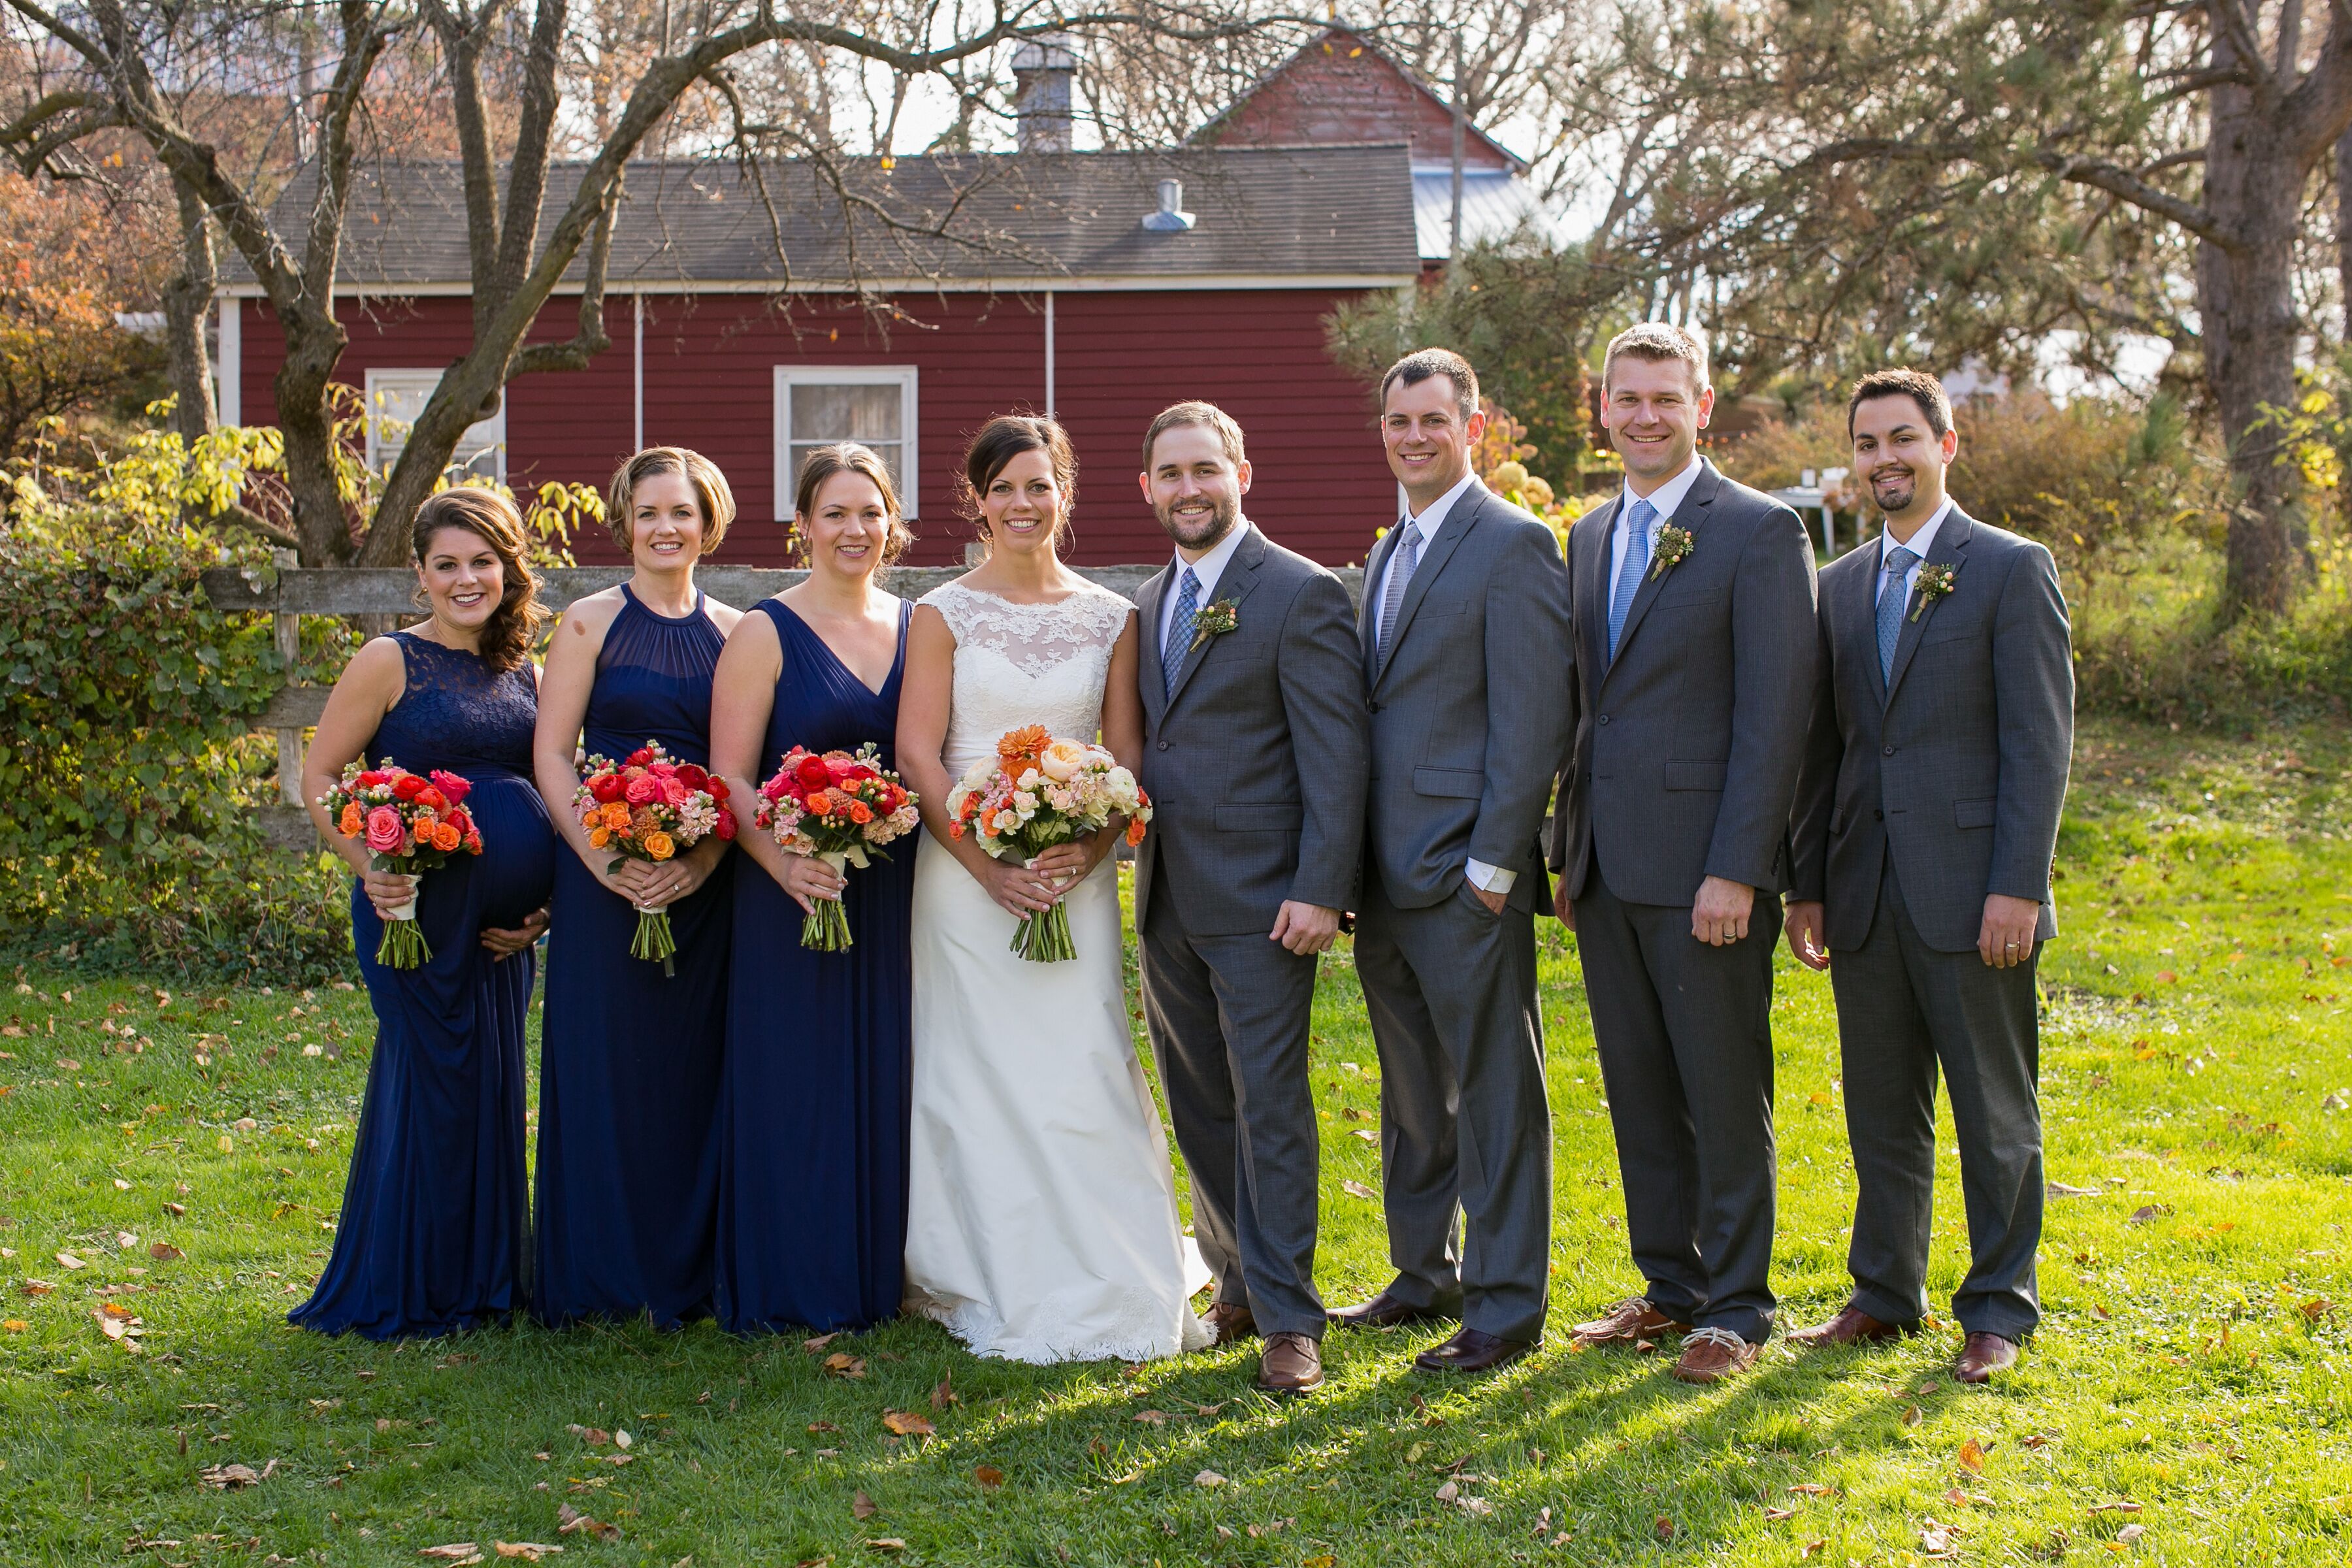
<point x="838" y="808"/>
<point x="1039" y="791"/>
<point x="410" y="824"/>
<point x="649" y="807"/>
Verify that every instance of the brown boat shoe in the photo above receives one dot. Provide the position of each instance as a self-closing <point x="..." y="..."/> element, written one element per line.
<point x="1981" y="1355"/>
<point x="1230" y="1320"/>
<point x="1712" y="1354"/>
<point x="1628" y="1323"/>
<point x="1852" y="1326"/>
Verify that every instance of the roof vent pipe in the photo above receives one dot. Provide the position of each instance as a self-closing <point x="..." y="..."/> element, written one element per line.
<point x="1171" y="217"/>
<point x="1042" y="69"/>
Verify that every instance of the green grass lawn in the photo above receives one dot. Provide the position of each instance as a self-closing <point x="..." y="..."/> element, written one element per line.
<point x="2184" y="1402"/>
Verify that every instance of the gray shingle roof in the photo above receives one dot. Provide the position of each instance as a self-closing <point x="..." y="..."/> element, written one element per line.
<point x="1275" y="212"/>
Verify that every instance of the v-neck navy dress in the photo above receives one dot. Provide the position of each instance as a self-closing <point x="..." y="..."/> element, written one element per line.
<point x="629" y="1057"/>
<point x="813" y="1121"/>
<point x="434" y="1232"/>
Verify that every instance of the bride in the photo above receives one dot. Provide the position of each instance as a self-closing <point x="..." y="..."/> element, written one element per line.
<point x="1042" y="1211"/>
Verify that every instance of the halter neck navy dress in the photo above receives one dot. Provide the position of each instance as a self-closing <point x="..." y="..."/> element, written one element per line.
<point x="813" y="1123"/>
<point x="629" y="1058"/>
<point x="434" y="1232"/>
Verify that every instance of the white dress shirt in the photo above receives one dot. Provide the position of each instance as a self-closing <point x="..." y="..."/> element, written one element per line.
<point x="1917" y="544"/>
<point x="1665" y="499"/>
<point x="1208" y="569"/>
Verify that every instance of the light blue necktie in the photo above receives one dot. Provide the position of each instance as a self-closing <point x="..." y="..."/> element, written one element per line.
<point x="1893" y="595"/>
<point x="1179" y="629"/>
<point x="1638" y="519"/>
<point x="1401" y="565"/>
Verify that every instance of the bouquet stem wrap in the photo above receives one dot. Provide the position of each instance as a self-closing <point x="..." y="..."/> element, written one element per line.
<point x="827" y="927"/>
<point x="654" y="941"/>
<point x="404" y="945"/>
<point x="1045" y="936"/>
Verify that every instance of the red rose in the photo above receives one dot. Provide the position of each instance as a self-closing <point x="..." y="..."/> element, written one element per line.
<point x="814" y="774"/>
<point x="431" y="796"/>
<point x="606" y="786"/>
<point x="840" y="770"/>
<point x="858" y="775"/>
<point x="691" y="777"/>
<point x="455" y="787"/>
<point x="473" y="843"/>
<point x="640" y="757"/>
<point x="370" y="779"/>
<point x="726" y="828"/>
<point x="407" y="786"/>
<point x="461" y="819"/>
<point x="716" y="785"/>
<point x="662" y="770"/>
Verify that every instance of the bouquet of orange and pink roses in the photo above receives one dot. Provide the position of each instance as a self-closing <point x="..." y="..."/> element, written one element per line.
<point x="839" y="807"/>
<point x="648" y="807"/>
<point x="1039" y="791"/>
<point x="410" y="824"/>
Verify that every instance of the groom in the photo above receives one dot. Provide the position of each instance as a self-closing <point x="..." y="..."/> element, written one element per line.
<point x="1255" y="759"/>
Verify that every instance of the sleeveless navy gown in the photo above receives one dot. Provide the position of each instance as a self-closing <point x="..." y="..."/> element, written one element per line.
<point x="813" y="1122"/>
<point x="434" y="1236"/>
<point x="629" y="1059"/>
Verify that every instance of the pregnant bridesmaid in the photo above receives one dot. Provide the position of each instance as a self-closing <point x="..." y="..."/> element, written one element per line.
<point x="812" y="1125"/>
<point x="629" y="1057"/>
<point x="431" y="1235"/>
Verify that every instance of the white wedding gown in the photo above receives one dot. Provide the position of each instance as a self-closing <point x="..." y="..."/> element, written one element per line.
<point x="1042" y="1221"/>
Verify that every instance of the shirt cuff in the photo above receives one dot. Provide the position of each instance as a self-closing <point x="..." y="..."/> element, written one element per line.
<point x="1490" y="879"/>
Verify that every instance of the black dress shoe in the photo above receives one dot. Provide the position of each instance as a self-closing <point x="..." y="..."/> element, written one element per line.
<point x="1472" y="1351"/>
<point x="1385" y="1311"/>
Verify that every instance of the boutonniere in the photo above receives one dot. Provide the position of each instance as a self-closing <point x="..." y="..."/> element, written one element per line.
<point x="1674" y="545"/>
<point x="1212" y="621"/>
<point x="1935" y="581"/>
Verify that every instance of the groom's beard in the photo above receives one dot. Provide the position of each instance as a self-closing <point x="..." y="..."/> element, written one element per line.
<point x="1200" y="529"/>
<point x="1894" y="491"/>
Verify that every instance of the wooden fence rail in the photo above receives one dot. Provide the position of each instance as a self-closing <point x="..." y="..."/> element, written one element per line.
<point x="291" y="592"/>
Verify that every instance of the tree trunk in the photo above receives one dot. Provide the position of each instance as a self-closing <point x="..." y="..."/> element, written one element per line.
<point x="313" y="345"/>
<point x="2344" y="232"/>
<point x="187" y="302"/>
<point x="2245" y="302"/>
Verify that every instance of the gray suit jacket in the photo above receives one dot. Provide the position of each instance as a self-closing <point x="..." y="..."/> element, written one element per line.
<point x="1957" y="766"/>
<point x="1256" y="765"/>
<point x="1688" y="743"/>
<point x="1467" y="730"/>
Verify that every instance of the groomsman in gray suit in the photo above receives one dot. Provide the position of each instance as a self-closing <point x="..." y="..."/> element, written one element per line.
<point x="1253" y="756"/>
<point x="1927" y="816"/>
<point x="1694" y="671"/>
<point x="1466" y="630"/>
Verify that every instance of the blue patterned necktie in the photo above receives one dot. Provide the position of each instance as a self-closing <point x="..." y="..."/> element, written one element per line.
<point x="1638" y="519"/>
<point x="1179" y="629"/>
<point x="1893" y="595"/>
<point x="1401" y="565"/>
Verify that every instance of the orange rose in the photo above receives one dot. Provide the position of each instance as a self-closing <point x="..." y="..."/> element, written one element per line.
<point x="1135" y="831"/>
<point x="445" y="838"/>
<point x="658" y="845"/>
<point x="860" y="813"/>
<point x="616" y="814"/>
<point x="599" y="835"/>
<point x="820" y="804"/>
<point x="354" y="822"/>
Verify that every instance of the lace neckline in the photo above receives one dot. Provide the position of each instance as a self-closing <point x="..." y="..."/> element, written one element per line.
<point x="1085" y="590"/>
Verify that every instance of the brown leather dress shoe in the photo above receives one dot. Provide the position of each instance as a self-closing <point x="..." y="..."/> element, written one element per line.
<point x="1230" y="1320"/>
<point x="1471" y="1350"/>
<point x="1290" y="1363"/>
<point x="1385" y="1311"/>
<point x="1852" y="1326"/>
<point x="1710" y="1355"/>
<point x="1629" y="1321"/>
<point x="1983" y="1355"/>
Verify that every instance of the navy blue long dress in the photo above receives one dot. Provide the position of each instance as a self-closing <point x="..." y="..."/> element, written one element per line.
<point x="813" y="1123"/>
<point x="629" y="1059"/>
<point x="434" y="1236"/>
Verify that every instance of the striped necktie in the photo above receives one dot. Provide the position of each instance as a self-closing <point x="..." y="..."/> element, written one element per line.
<point x="1179" y="629"/>
<point x="1401" y="565"/>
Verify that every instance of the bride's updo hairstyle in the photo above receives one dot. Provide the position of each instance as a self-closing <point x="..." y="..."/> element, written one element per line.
<point x="1000" y="441"/>
<point x="849" y="457"/>
<point x="506" y="635"/>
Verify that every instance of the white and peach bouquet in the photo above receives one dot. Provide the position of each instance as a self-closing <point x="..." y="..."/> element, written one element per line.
<point x="1038" y="791"/>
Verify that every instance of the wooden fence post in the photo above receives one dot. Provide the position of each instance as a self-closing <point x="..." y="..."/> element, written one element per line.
<point x="289" y="631"/>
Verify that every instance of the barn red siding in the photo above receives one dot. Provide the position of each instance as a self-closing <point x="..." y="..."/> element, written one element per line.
<point x="1321" y="486"/>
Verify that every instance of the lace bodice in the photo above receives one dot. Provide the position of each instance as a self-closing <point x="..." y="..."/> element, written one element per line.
<point x="1026" y="663"/>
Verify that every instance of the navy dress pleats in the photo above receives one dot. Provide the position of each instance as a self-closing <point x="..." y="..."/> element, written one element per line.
<point x="813" y="1142"/>
<point x="629" y="1058"/>
<point x="434" y="1234"/>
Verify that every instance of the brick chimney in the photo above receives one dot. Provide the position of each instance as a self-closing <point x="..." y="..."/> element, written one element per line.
<point x="1043" y="68"/>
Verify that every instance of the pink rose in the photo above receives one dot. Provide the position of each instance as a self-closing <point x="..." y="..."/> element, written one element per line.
<point x="385" y="833"/>
<point x="455" y="787"/>
<point x="644" y="790"/>
<point x="674" y="793"/>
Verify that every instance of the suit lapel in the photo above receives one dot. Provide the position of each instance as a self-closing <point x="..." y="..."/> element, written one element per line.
<point x="1591" y="541"/>
<point x="1950" y="549"/>
<point x="1858" y="607"/>
<point x="1239" y="577"/>
<point x="1689" y="517"/>
<point x="1367" y="613"/>
<point x="1154" y="680"/>
<point x="1434" y="557"/>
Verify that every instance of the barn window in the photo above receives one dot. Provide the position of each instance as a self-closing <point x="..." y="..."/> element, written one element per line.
<point x="816" y="404"/>
<point x="395" y="398"/>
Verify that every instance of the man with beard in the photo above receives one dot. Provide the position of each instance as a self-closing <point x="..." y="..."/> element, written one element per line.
<point x="1254" y="760"/>
<point x="1927" y="815"/>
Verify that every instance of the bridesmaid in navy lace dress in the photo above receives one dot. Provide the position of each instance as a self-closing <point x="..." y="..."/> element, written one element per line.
<point x="434" y="1232"/>
<point x="812" y="1124"/>
<point x="629" y="1057"/>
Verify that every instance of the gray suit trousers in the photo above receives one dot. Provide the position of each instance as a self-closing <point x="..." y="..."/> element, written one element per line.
<point x="1464" y="1120"/>
<point x="1903" y="1009"/>
<point x="1228" y="1018"/>
<point x="1684" y="1032"/>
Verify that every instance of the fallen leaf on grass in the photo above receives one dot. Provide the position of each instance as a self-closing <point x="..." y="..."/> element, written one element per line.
<point x="823" y="1427"/>
<point x="1972" y="1456"/>
<point x="164" y="1252"/>
<point x="2036" y="1439"/>
<point x="1912" y="1417"/>
<point x="1665" y="1528"/>
<point x="987" y="1475"/>
<point x="1775" y="1515"/>
<point x="2114" y="1508"/>
<point x="1814" y="1489"/>
<point x="38" y="1287"/>
<point x="1208" y="1478"/>
<point x="2147" y="1212"/>
<point x="1356" y="1189"/>
<point x="1936" y="1539"/>
<point x="460" y="1552"/>
<point x="1323" y="1560"/>
<point x="2130" y="1532"/>
<point x="885" y="1543"/>
<point x="1813" y="1548"/>
<point x="569" y="1520"/>
<point x="906" y="1424"/>
<point x="529" y="1550"/>
<point x="225" y="1478"/>
<point x="862" y="1506"/>
<point x="1152" y="1417"/>
<point x="594" y="1436"/>
<point x="2314" y="1310"/>
<point x="943" y="1396"/>
<point x="818" y="1344"/>
<point x="1366" y="1133"/>
<point x="66" y="1064"/>
<point x="841" y="1364"/>
<point x="15" y="1325"/>
<point x="2061" y="1189"/>
<point x="69" y="1260"/>
<point x="177" y="1211"/>
<point x="621" y="1439"/>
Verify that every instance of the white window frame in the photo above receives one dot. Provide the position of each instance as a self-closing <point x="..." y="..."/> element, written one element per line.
<point x="903" y="376"/>
<point x="483" y="438"/>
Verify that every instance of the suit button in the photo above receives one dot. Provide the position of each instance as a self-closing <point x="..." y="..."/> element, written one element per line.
<point x="1372" y="707"/>
<point x="1879" y="816"/>
<point x="1890" y="751"/>
<point x="1163" y="745"/>
<point x="1605" y="718"/>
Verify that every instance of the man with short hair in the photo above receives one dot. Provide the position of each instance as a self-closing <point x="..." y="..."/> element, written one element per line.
<point x="1254" y="757"/>
<point x="1926" y="817"/>
<point x="1694" y="670"/>
<point x="1465" y="629"/>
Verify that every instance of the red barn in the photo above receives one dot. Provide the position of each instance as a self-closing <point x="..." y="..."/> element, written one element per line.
<point x="1097" y="286"/>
